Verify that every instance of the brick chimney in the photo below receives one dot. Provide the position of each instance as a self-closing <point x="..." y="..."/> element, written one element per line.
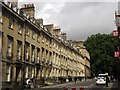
<point x="28" y="9"/>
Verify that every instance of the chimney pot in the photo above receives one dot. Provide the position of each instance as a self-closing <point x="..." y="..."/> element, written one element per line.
<point x="24" y="6"/>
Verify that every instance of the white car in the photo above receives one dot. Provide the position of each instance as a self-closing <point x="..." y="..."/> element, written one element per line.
<point x="101" y="81"/>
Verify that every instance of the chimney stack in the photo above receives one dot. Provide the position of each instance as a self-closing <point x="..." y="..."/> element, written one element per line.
<point x="28" y="9"/>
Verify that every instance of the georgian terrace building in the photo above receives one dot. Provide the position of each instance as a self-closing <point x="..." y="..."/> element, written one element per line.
<point x="31" y="49"/>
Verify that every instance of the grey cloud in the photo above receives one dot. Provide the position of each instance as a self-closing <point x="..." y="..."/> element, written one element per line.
<point x="77" y="6"/>
<point x="80" y="20"/>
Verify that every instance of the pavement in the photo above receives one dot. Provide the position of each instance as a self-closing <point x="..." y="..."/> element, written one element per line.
<point x="111" y="86"/>
<point x="115" y="85"/>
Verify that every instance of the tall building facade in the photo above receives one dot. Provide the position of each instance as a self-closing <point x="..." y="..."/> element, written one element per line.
<point x="31" y="49"/>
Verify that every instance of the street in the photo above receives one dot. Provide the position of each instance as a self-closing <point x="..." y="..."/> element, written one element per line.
<point x="87" y="85"/>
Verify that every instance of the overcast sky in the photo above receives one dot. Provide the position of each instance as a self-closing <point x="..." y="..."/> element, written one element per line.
<point x="78" y="19"/>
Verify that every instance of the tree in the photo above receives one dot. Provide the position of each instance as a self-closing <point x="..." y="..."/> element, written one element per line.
<point x="101" y="48"/>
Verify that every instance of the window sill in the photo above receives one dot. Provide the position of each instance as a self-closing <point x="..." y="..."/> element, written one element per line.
<point x="19" y="33"/>
<point x="10" y="28"/>
<point x="33" y="38"/>
<point x="38" y="41"/>
<point x="28" y="35"/>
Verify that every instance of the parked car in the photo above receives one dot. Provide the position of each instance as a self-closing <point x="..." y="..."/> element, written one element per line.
<point x="101" y="81"/>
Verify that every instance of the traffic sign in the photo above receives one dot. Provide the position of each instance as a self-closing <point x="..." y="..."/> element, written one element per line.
<point x="116" y="54"/>
<point x="115" y="33"/>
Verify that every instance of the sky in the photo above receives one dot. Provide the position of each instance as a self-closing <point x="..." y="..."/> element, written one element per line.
<point x="78" y="19"/>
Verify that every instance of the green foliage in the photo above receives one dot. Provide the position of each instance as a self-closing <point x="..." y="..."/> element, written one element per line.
<point x="101" y="48"/>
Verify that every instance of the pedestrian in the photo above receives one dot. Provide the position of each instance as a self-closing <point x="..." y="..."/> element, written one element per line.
<point x="75" y="79"/>
<point x="107" y="81"/>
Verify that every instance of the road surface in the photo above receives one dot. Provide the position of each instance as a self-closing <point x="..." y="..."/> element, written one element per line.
<point x="88" y="85"/>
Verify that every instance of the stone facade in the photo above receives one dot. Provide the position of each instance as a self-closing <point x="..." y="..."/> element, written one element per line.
<point x="29" y="48"/>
